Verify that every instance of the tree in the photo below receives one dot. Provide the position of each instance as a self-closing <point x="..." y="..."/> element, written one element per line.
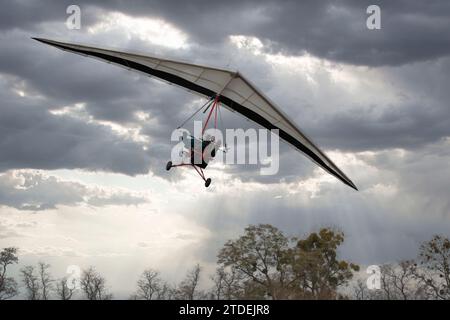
<point x="434" y="271"/>
<point x="151" y="287"/>
<point x="37" y="281"/>
<point x="65" y="289"/>
<point x="227" y="284"/>
<point x="317" y="270"/>
<point x="217" y="292"/>
<point x="271" y="265"/>
<point x="188" y="288"/>
<point x="168" y="292"/>
<point x="93" y="285"/>
<point x="360" y="291"/>
<point x="45" y="279"/>
<point x="8" y="286"/>
<point x="31" y="282"/>
<point x="398" y="281"/>
<point x="259" y="256"/>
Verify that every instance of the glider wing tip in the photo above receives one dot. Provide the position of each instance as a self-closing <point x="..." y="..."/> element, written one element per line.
<point x="38" y="39"/>
<point x="41" y="40"/>
<point x="352" y="185"/>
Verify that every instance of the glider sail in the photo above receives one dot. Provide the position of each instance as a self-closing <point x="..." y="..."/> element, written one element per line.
<point x="234" y="90"/>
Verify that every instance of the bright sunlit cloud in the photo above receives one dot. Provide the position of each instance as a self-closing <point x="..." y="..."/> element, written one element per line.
<point x="320" y="75"/>
<point x="156" y="31"/>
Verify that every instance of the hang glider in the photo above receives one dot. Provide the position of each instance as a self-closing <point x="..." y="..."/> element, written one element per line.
<point x="230" y="88"/>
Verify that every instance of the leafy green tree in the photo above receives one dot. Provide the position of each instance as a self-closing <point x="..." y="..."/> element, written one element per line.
<point x="318" y="271"/>
<point x="271" y="265"/>
<point x="260" y="257"/>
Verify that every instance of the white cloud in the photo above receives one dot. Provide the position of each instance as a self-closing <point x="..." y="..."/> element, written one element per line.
<point x="153" y="30"/>
<point x="36" y="191"/>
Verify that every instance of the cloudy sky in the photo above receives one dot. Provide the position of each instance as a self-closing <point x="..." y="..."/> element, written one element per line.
<point x="83" y="144"/>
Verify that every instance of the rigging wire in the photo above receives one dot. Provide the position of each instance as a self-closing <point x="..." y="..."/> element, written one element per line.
<point x="207" y="103"/>
<point x="225" y="149"/>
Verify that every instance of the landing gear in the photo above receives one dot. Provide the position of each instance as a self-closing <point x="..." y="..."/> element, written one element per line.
<point x="199" y="170"/>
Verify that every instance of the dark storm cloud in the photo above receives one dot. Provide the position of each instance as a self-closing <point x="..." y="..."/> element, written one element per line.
<point x="28" y="15"/>
<point x="418" y="115"/>
<point x="112" y="94"/>
<point x="107" y="93"/>
<point x="66" y="79"/>
<point x="411" y="30"/>
<point x="409" y="127"/>
<point x="31" y="137"/>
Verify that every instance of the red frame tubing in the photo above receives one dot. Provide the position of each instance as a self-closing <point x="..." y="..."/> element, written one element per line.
<point x="200" y="172"/>
<point x="215" y="115"/>
<point x="181" y="165"/>
<point x="213" y="107"/>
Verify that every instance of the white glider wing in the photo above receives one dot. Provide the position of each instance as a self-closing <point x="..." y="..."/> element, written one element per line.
<point x="234" y="91"/>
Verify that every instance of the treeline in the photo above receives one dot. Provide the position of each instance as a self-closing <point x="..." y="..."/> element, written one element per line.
<point x="263" y="263"/>
<point x="426" y="278"/>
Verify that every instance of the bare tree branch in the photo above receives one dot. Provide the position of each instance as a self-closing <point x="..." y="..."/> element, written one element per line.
<point x="8" y="286"/>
